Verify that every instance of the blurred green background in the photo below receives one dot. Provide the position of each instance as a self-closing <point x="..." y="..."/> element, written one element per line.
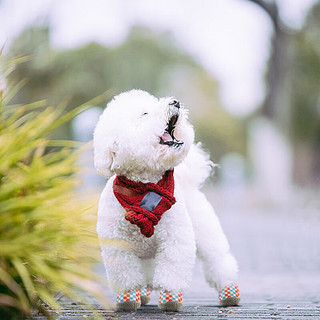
<point x="154" y="61"/>
<point x="145" y="60"/>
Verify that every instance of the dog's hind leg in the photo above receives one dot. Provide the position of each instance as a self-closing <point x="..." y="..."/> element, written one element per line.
<point x="219" y="265"/>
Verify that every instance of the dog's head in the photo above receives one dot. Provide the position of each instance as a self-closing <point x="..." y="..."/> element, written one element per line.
<point x="141" y="137"/>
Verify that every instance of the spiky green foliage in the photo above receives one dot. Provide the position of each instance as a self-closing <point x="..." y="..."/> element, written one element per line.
<point x="47" y="236"/>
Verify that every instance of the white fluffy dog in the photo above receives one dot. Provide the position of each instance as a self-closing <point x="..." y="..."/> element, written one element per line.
<point x="139" y="142"/>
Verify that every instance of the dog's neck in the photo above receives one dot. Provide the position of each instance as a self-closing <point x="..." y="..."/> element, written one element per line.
<point x="144" y="177"/>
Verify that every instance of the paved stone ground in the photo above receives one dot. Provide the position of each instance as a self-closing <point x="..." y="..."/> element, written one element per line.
<point x="278" y="250"/>
<point x="248" y="310"/>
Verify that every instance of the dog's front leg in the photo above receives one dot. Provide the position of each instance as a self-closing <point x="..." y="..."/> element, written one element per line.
<point x="175" y="257"/>
<point x="124" y="273"/>
<point x="124" y="269"/>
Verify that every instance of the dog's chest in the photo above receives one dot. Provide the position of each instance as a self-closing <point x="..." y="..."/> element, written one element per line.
<point x="142" y="246"/>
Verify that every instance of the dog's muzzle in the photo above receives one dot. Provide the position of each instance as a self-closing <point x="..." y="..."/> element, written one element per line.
<point x="168" y="137"/>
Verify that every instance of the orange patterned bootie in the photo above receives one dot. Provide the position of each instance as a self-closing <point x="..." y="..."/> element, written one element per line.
<point x="169" y="301"/>
<point x="145" y="295"/>
<point x="129" y="300"/>
<point x="229" y="296"/>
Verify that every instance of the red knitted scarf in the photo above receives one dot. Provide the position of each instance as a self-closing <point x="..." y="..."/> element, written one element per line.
<point x="145" y="203"/>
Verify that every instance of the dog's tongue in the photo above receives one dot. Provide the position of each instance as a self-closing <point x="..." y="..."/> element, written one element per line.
<point x="166" y="137"/>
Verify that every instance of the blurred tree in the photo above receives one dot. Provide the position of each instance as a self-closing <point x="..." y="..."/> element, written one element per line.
<point x="276" y="105"/>
<point x="305" y="92"/>
<point x="292" y="81"/>
<point x="145" y="60"/>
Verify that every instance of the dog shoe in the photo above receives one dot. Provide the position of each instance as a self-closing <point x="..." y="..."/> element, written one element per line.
<point x="169" y="301"/>
<point x="129" y="300"/>
<point x="229" y="296"/>
<point x="145" y="295"/>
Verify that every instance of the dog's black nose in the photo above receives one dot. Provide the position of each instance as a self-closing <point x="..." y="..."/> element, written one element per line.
<point x="175" y="103"/>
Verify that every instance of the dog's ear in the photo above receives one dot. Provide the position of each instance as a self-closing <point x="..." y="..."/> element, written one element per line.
<point x="104" y="157"/>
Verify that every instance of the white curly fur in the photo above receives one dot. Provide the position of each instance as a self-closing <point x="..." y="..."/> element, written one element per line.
<point x="126" y="142"/>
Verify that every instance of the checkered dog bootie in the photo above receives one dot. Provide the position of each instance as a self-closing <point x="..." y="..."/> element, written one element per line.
<point x="129" y="300"/>
<point x="145" y="296"/>
<point x="229" y="296"/>
<point x="169" y="301"/>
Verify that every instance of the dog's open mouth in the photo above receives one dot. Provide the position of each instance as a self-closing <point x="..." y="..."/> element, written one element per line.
<point x="168" y="137"/>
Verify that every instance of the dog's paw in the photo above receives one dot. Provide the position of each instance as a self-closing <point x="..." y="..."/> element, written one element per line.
<point x="229" y="296"/>
<point x="169" y="301"/>
<point x="145" y="296"/>
<point x="129" y="300"/>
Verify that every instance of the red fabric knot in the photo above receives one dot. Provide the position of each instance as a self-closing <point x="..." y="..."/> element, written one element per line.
<point x="130" y="195"/>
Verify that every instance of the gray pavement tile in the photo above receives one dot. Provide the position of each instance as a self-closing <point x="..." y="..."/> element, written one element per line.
<point x="244" y="311"/>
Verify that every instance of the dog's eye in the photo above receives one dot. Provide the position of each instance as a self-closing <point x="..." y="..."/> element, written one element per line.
<point x="144" y="114"/>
